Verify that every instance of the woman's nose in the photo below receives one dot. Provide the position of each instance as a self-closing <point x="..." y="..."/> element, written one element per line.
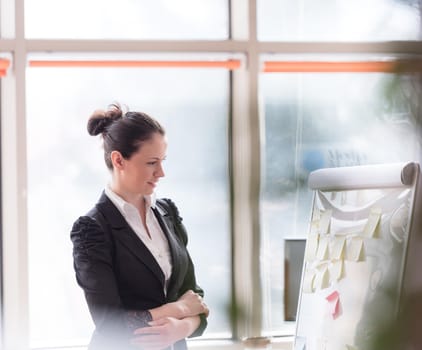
<point x="159" y="171"/>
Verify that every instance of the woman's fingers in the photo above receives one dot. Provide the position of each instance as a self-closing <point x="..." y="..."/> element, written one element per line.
<point x="206" y="310"/>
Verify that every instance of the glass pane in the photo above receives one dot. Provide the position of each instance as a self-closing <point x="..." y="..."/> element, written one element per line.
<point x="338" y="20"/>
<point x="66" y="174"/>
<point x="7" y="19"/>
<point x="324" y="120"/>
<point x="126" y="19"/>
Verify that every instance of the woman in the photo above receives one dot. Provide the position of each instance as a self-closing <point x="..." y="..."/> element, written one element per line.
<point x="129" y="251"/>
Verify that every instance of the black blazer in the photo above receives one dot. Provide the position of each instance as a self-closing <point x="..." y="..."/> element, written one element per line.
<point x="119" y="275"/>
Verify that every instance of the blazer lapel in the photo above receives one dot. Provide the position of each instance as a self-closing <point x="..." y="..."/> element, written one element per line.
<point x="122" y="232"/>
<point x="166" y="224"/>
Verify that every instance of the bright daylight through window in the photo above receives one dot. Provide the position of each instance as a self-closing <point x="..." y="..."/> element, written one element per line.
<point x="250" y="109"/>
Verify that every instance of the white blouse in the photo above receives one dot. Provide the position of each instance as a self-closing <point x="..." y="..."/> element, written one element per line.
<point x="157" y="243"/>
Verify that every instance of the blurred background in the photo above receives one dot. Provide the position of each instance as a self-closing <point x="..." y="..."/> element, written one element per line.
<point x="254" y="95"/>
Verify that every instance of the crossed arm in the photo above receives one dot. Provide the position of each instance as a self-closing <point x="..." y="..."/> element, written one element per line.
<point x="171" y="322"/>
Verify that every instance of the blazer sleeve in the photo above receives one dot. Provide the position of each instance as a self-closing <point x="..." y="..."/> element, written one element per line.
<point x="93" y="264"/>
<point x="189" y="282"/>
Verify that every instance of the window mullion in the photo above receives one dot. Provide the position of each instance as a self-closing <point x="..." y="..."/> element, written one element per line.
<point x="246" y="176"/>
<point x="14" y="185"/>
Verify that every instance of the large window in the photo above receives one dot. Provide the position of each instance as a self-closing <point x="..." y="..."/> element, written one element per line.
<point x="320" y="120"/>
<point x="254" y="95"/>
<point x="324" y="110"/>
<point x="66" y="174"/>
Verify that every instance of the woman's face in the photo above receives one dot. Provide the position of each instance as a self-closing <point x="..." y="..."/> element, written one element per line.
<point x="140" y="173"/>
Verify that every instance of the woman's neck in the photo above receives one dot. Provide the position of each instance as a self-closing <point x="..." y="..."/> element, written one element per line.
<point x="135" y="199"/>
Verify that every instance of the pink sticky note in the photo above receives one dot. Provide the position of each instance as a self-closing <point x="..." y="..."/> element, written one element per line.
<point x="334" y="304"/>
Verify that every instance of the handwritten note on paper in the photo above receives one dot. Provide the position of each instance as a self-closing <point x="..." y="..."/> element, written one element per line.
<point x="333" y="304"/>
<point x="311" y="247"/>
<point x="336" y="270"/>
<point x="355" y="249"/>
<point x="325" y="221"/>
<point x="373" y="222"/>
<point x="322" y="253"/>
<point x="337" y="248"/>
<point x="308" y="281"/>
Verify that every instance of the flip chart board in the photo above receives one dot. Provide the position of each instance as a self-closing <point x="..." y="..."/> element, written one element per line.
<point x="361" y="249"/>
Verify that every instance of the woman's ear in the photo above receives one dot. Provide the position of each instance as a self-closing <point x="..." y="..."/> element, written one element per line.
<point x="117" y="160"/>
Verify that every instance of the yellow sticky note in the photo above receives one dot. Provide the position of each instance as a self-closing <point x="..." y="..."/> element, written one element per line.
<point x="355" y="249"/>
<point x="325" y="221"/>
<point x="308" y="281"/>
<point x="316" y="214"/>
<point x="322" y="279"/>
<point x="350" y="347"/>
<point x="373" y="222"/>
<point x="316" y="217"/>
<point x="311" y="247"/>
<point x="322" y="253"/>
<point x="336" y="270"/>
<point x="337" y="247"/>
<point x="314" y="229"/>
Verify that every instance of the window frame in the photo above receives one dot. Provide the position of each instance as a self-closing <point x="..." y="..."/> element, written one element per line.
<point x="244" y="140"/>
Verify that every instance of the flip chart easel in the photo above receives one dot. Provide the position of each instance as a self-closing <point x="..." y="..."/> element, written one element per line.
<point x="361" y="253"/>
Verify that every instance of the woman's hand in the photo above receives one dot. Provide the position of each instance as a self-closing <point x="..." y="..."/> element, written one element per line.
<point x="192" y="304"/>
<point x="161" y="334"/>
<point x="188" y="305"/>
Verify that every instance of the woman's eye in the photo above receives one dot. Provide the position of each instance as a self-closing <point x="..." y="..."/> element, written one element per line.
<point x="152" y="163"/>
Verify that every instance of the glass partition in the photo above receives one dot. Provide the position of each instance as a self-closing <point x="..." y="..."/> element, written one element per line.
<point x="320" y="120"/>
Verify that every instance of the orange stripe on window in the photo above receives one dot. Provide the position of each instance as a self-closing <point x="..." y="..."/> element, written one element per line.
<point x="4" y="65"/>
<point x="228" y="64"/>
<point x="399" y="66"/>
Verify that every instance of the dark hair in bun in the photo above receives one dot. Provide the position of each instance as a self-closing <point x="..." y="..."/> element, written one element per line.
<point x="101" y="119"/>
<point x="123" y="132"/>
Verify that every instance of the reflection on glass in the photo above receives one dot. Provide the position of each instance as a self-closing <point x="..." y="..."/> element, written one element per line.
<point x="338" y="20"/>
<point x="324" y="120"/>
<point x="66" y="174"/>
<point x="126" y="19"/>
